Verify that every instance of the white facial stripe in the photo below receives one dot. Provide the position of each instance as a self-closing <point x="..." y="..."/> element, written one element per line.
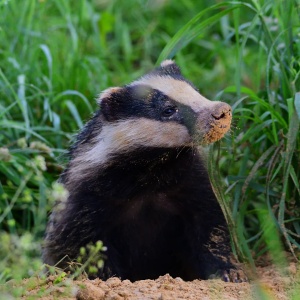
<point x="177" y="90"/>
<point x="125" y="136"/>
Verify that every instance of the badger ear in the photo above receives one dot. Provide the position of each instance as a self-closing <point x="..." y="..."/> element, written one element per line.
<point x="108" y="101"/>
<point x="167" y="62"/>
<point x="168" y="67"/>
<point x="108" y="94"/>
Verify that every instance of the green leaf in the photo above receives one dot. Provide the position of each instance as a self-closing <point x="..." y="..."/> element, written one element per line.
<point x="194" y="27"/>
<point x="75" y="113"/>
<point x="297" y="104"/>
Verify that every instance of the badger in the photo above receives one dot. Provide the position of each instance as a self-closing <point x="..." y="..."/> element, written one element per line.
<point x="137" y="181"/>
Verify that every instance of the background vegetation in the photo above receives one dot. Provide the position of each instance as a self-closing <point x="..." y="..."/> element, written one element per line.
<point x="57" y="55"/>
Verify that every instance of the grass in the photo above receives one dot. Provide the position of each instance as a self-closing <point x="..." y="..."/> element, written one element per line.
<point x="56" y="56"/>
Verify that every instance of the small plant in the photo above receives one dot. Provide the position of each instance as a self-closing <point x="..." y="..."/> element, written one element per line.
<point x="19" y="256"/>
<point x="89" y="261"/>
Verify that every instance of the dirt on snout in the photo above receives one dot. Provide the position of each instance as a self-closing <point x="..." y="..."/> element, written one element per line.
<point x="269" y="284"/>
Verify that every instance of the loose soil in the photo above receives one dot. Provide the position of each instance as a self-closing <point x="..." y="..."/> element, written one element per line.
<point x="269" y="284"/>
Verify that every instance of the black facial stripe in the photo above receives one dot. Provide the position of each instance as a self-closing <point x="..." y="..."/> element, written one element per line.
<point x="159" y="101"/>
<point x="132" y="102"/>
<point x="185" y="114"/>
<point x="142" y="101"/>
<point x="188" y="116"/>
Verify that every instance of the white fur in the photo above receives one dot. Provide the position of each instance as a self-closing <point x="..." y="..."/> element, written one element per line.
<point x="125" y="136"/>
<point x="177" y="90"/>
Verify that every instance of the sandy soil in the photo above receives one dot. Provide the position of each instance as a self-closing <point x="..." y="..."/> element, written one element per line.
<point x="270" y="282"/>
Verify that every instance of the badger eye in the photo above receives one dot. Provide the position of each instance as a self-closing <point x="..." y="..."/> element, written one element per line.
<point x="169" y="111"/>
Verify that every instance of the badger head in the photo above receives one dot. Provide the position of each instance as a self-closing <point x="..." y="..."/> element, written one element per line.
<point x="163" y="109"/>
<point x="160" y="110"/>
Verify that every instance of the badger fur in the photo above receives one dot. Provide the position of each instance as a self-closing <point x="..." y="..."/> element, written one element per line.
<point x="137" y="181"/>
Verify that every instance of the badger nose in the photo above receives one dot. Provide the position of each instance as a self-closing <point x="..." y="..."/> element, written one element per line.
<point x="221" y="111"/>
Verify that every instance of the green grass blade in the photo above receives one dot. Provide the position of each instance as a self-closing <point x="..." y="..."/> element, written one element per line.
<point x="293" y="134"/>
<point x="195" y="28"/>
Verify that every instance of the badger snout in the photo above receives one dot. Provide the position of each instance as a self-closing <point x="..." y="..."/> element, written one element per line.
<point x="221" y="111"/>
<point x="214" y="121"/>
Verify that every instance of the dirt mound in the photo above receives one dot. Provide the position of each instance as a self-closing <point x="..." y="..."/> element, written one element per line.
<point x="165" y="287"/>
<point x="270" y="284"/>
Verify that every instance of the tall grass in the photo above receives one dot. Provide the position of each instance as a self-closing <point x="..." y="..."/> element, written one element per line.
<point x="264" y="151"/>
<point x="267" y="141"/>
<point x="57" y="55"/>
